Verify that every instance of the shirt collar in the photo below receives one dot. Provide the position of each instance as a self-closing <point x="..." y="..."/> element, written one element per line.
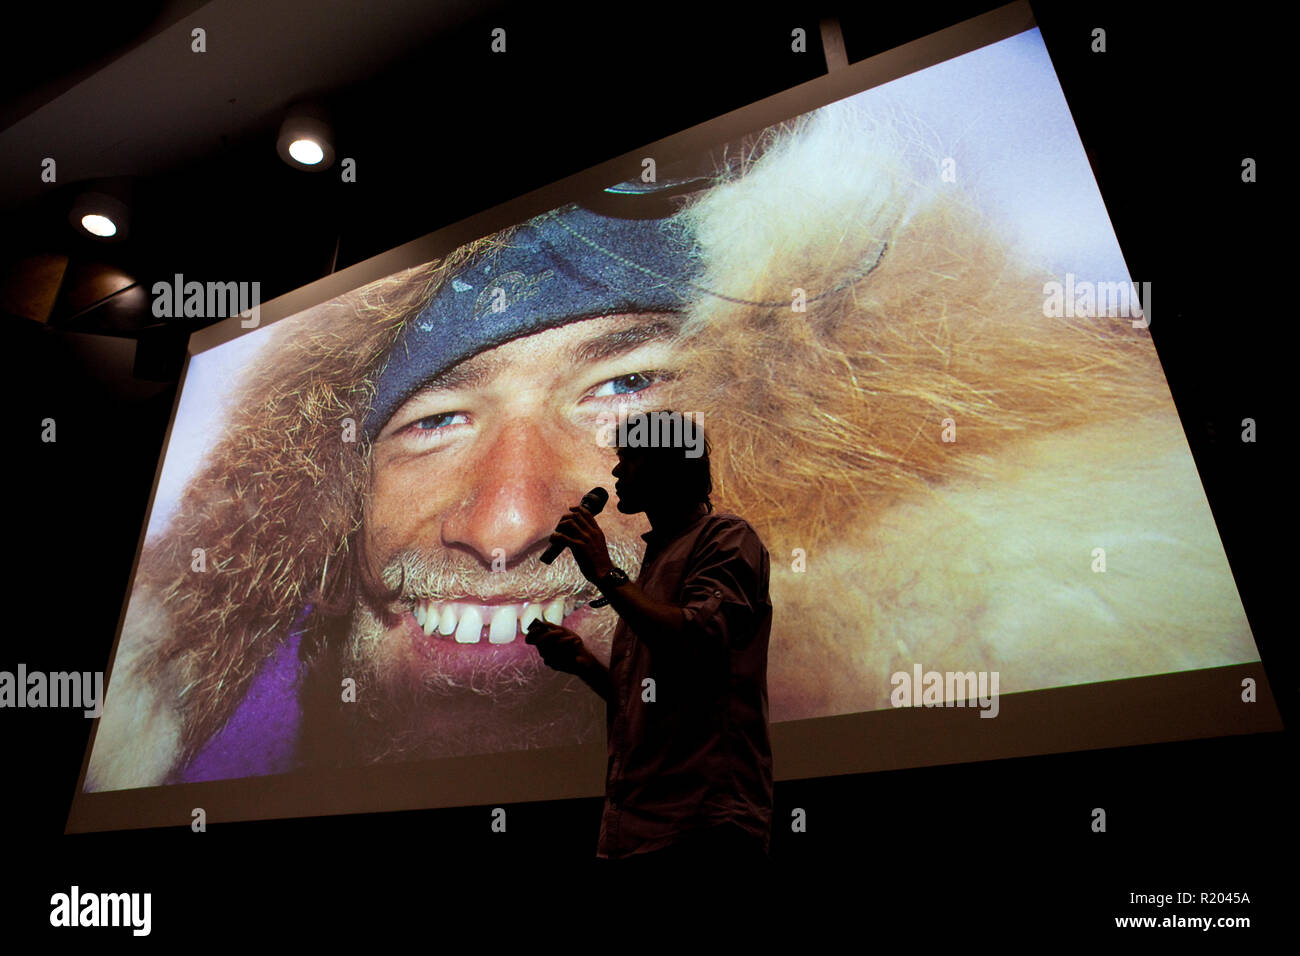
<point x="662" y="535"/>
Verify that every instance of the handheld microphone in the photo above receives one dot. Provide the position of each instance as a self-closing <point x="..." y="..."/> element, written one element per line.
<point x="593" y="502"/>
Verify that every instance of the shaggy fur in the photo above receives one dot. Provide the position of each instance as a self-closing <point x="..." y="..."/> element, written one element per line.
<point x="840" y="409"/>
<point x="826" y="428"/>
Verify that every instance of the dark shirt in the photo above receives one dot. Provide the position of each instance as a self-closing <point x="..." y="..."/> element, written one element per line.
<point x="699" y="754"/>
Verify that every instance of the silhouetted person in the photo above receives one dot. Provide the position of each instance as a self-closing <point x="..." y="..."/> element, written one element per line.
<point x="689" y="781"/>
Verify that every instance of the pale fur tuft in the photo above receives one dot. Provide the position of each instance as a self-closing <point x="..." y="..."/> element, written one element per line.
<point x="138" y="740"/>
<point x="839" y="168"/>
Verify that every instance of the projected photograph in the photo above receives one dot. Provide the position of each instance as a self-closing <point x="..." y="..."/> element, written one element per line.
<point x="905" y="323"/>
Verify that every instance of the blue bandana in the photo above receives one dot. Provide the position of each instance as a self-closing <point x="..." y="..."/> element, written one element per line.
<point x="562" y="266"/>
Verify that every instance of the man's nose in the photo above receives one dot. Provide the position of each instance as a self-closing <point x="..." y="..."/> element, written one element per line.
<point x="516" y="494"/>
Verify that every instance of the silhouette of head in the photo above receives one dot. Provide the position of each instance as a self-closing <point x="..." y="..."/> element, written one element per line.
<point x="663" y="462"/>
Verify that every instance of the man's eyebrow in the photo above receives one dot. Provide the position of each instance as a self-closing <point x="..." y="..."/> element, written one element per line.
<point x="473" y="373"/>
<point x="619" y="342"/>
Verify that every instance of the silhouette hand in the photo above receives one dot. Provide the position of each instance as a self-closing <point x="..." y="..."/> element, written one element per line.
<point x="560" y="648"/>
<point x="578" y="529"/>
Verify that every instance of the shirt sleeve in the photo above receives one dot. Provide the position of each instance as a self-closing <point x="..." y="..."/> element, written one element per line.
<point x="721" y="588"/>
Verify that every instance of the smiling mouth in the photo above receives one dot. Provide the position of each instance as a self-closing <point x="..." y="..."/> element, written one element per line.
<point x="471" y="623"/>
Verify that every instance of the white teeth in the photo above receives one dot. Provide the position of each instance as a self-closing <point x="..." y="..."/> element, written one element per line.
<point x="502" y="630"/>
<point x="554" y="612"/>
<point x="471" y="625"/>
<point x="505" y="621"/>
<point x="531" y="613"/>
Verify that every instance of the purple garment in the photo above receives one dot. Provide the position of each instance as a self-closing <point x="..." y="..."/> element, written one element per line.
<point x="261" y="736"/>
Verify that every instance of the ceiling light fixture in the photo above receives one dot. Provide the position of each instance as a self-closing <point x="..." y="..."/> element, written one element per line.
<point x="306" y="139"/>
<point x="100" y="216"/>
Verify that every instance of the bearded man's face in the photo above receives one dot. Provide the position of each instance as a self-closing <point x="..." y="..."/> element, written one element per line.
<point x="469" y="478"/>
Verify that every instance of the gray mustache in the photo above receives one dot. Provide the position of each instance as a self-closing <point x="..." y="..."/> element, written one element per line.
<point x="453" y="576"/>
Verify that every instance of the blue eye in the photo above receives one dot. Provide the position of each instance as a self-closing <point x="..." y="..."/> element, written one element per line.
<point x="625" y="385"/>
<point x="434" y="422"/>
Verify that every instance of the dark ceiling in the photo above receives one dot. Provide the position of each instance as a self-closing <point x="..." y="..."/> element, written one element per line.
<point x="439" y="126"/>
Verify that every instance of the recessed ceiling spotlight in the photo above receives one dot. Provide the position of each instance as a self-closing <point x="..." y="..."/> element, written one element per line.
<point x="306" y="151"/>
<point x="100" y="215"/>
<point x="306" y="139"/>
<point x="98" y="225"/>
